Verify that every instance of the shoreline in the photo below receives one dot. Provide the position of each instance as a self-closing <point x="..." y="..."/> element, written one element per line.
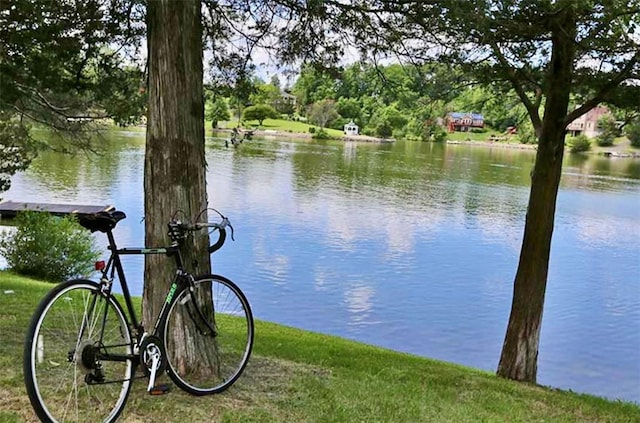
<point x="490" y="144"/>
<point x="274" y="133"/>
<point x="621" y="150"/>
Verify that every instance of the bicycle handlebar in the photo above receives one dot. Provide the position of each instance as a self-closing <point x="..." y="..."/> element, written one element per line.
<point x="178" y="229"/>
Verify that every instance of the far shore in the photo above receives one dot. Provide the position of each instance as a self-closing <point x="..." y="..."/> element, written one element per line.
<point x="621" y="149"/>
<point x="304" y="135"/>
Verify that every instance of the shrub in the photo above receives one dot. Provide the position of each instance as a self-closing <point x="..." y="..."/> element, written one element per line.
<point x="48" y="247"/>
<point x="384" y="130"/>
<point x="579" y="144"/>
<point x="607" y="125"/>
<point x="312" y="129"/>
<point x="633" y="133"/>
<point x="260" y="112"/>
<point x="434" y="132"/>
<point x="339" y="123"/>
<point x="321" y="134"/>
<point x="527" y="134"/>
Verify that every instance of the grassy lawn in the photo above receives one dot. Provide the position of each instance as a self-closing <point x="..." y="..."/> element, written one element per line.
<point x="473" y="136"/>
<point x="297" y="376"/>
<point x="278" y="125"/>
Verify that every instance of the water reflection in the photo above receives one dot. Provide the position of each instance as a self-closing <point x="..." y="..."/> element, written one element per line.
<point x="359" y="300"/>
<point x="411" y="246"/>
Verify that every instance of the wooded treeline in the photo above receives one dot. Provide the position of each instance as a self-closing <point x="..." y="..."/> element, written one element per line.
<point x="399" y="100"/>
<point x="404" y="101"/>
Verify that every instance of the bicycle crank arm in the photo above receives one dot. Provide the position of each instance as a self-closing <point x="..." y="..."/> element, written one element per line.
<point x="155" y="361"/>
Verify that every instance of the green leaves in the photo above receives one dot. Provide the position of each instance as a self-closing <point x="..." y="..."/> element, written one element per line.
<point x="17" y="149"/>
<point x="259" y="112"/>
<point x="63" y="62"/>
<point x="48" y="247"/>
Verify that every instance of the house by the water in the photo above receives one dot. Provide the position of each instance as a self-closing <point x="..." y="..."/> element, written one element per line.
<point x="587" y="124"/>
<point x="462" y="122"/>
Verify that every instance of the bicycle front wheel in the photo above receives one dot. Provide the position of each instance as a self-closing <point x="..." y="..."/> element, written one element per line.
<point x="208" y="336"/>
<point x="77" y="355"/>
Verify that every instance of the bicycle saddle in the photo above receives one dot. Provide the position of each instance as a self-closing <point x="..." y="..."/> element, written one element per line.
<point x="102" y="221"/>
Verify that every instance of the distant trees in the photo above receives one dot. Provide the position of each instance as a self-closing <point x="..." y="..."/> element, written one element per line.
<point x="265" y="94"/>
<point x="633" y="133"/>
<point x="260" y="112"/>
<point x="391" y="97"/>
<point x="349" y="108"/>
<point x="313" y="86"/>
<point x="387" y="119"/>
<point x="322" y="112"/>
<point x="608" y="131"/>
<point x="216" y="110"/>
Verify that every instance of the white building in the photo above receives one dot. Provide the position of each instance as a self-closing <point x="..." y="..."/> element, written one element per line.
<point x="351" y="128"/>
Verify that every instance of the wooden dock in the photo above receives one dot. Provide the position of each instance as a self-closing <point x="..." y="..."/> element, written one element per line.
<point x="9" y="209"/>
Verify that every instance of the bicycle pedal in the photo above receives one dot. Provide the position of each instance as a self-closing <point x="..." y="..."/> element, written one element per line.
<point x="160" y="389"/>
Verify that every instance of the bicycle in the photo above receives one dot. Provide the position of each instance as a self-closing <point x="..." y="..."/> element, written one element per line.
<point x="82" y="348"/>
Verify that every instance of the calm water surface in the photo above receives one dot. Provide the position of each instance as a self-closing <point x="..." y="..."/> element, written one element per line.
<point x="409" y="246"/>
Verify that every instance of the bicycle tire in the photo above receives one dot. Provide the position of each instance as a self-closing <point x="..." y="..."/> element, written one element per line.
<point x="198" y="362"/>
<point x="60" y="343"/>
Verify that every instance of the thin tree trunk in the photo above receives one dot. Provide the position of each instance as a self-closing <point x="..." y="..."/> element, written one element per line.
<point x="519" y="358"/>
<point x="174" y="158"/>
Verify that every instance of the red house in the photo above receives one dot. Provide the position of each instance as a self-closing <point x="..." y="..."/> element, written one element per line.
<point x="462" y="122"/>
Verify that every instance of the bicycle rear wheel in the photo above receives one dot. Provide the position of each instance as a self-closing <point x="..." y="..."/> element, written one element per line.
<point x="208" y="336"/>
<point x="67" y="377"/>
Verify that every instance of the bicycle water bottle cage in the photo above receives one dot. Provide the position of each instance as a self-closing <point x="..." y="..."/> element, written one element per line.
<point x="101" y="221"/>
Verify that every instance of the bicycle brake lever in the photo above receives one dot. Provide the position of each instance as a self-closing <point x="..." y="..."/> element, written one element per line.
<point x="227" y="223"/>
<point x="232" y="238"/>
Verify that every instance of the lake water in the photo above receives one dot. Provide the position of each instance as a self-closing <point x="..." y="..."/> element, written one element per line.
<point x="410" y="246"/>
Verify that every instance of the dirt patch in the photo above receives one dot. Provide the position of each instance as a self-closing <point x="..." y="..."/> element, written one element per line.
<point x="264" y="383"/>
<point x="14" y="402"/>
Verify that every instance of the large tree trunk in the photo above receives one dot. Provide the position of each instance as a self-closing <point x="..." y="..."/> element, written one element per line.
<point x="174" y="158"/>
<point x="519" y="358"/>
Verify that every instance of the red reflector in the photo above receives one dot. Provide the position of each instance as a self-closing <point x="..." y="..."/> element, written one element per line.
<point x="100" y="265"/>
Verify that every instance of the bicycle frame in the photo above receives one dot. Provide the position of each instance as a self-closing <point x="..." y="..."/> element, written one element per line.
<point x="114" y="267"/>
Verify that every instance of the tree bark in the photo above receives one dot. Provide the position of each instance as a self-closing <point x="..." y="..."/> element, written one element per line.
<point x="174" y="170"/>
<point x="519" y="358"/>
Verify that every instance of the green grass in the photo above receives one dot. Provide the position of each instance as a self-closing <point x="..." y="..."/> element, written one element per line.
<point x="298" y="376"/>
<point x="279" y="125"/>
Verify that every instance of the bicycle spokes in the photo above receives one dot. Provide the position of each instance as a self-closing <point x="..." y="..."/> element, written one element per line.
<point x="68" y="369"/>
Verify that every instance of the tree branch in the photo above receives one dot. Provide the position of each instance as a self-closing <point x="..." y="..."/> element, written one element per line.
<point x="532" y="108"/>
<point x="606" y="89"/>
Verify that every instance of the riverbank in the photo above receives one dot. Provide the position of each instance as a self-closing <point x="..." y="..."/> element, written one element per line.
<point x="622" y="147"/>
<point x="273" y="133"/>
<point x="299" y="376"/>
